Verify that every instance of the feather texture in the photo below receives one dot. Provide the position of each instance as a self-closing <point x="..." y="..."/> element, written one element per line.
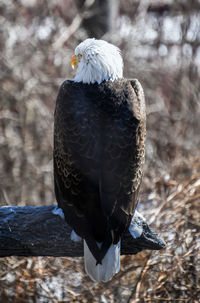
<point x="99" y="136"/>
<point x="99" y="61"/>
<point x="107" y="269"/>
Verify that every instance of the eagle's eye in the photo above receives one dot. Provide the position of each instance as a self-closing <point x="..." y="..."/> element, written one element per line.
<point x="79" y="56"/>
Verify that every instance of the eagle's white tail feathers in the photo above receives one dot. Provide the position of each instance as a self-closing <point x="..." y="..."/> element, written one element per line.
<point x="109" y="267"/>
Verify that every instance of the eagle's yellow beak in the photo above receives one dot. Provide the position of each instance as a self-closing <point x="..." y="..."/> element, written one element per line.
<point x="74" y="61"/>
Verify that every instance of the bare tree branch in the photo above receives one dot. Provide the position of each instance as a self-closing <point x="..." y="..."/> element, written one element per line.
<point x="72" y="28"/>
<point x="36" y="231"/>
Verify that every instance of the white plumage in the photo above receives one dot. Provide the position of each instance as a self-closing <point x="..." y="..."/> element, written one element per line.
<point x="109" y="267"/>
<point x="99" y="61"/>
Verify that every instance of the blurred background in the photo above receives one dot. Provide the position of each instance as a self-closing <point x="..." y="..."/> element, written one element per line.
<point x="160" y="44"/>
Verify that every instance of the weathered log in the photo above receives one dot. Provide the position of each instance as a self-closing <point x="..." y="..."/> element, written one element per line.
<point x="36" y="231"/>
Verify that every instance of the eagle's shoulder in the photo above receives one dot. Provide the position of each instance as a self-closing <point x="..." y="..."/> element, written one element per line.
<point x="65" y="87"/>
<point x="62" y="91"/>
<point x="129" y="92"/>
<point x="137" y="87"/>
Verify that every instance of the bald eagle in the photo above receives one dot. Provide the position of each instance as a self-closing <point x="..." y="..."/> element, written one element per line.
<point x="99" y="146"/>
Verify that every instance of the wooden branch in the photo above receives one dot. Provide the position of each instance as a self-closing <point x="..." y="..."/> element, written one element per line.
<point x="36" y="231"/>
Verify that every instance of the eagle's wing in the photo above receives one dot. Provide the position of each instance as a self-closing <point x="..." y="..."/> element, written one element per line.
<point x="72" y="143"/>
<point x="121" y="171"/>
<point x="99" y="134"/>
<point x="76" y="161"/>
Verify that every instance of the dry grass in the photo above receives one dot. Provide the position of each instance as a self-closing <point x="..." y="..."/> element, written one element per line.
<point x="171" y="275"/>
<point x="31" y="72"/>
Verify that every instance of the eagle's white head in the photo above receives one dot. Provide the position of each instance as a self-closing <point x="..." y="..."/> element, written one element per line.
<point x="97" y="61"/>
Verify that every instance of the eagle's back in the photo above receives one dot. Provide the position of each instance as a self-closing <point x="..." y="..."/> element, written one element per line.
<point x="99" y="138"/>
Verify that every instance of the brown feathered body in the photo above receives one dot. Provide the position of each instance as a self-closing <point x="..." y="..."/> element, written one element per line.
<point x="99" y="141"/>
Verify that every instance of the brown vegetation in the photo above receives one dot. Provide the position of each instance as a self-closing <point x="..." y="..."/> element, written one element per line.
<point x="161" y="47"/>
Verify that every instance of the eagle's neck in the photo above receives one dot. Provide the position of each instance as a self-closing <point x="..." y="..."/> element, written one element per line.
<point x="99" y="69"/>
